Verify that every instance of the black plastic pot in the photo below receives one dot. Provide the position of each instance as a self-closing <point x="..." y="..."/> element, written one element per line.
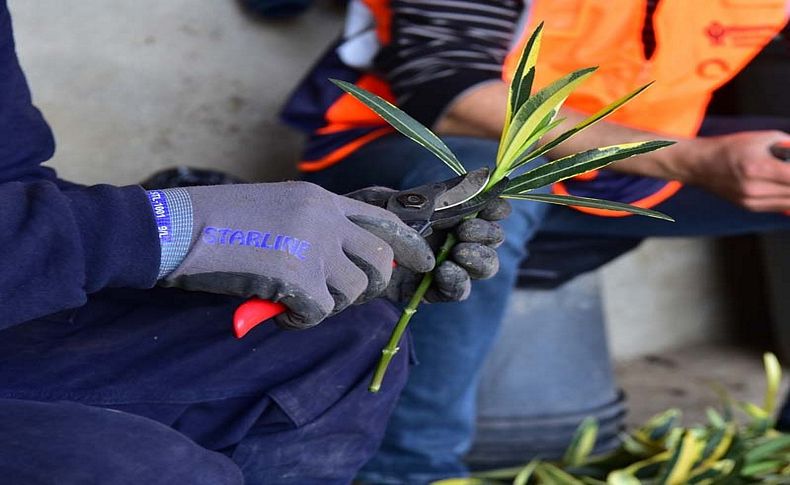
<point x="549" y="369"/>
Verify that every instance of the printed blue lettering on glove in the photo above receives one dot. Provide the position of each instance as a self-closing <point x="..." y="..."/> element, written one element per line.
<point x="263" y="240"/>
<point x="161" y="214"/>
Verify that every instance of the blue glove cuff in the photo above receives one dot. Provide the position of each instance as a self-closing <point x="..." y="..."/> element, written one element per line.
<point x="173" y="215"/>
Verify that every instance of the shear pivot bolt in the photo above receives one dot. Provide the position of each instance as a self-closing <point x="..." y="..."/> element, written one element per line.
<point x="412" y="201"/>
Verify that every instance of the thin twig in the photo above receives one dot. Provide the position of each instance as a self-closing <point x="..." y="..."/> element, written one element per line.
<point x="392" y="348"/>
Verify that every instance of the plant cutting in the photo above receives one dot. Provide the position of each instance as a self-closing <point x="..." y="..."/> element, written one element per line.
<point x="723" y="451"/>
<point x="529" y="117"/>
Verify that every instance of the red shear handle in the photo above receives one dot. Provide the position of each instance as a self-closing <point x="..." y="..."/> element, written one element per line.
<point x="255" y="311"/>
<point x="252" y="313"/>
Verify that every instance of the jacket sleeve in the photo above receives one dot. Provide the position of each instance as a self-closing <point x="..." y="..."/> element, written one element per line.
<point x="439" y="49"/>
<point x="59" y="241"/>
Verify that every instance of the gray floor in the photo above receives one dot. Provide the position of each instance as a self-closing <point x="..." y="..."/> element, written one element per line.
<point x="683" y="379"/>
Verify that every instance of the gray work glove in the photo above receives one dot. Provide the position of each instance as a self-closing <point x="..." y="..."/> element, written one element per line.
<point x="296" y="243"/>
<point x="473" y="257"/>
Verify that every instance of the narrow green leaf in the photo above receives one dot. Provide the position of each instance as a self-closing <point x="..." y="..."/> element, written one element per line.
<point x="678" y="468"/>
<point x="761" y="468"/>
<point x="534" y="111"/>
<point x="521" y="86"/>
<point x="635" y="468"/>
<point x="718" y="444"/>
<point x="658" y="427"/>
<point x="573" y="200"/>
<point x="768" y="449"/>
<point x="539" y="133"/>
<point x="620" y="477"/>
<point x="404" y="123"/>
<point x="719" y="470"/>
<point x="726" y="401"/>
<point x="523" y="476"/>
<point x="753" y="411"/>
<point x="591" y="481"/>
<point x="582" y="443"/>
<point x="773" y="377"/>
<point x="579" y="163"/>
<point x="715" y="418"/>
<point x="638" y="447"/>
<point x="603" y="113"/>
<point x="499" y="473"/>
<point x="549" y="473"/>
<point x="673" y="438"/>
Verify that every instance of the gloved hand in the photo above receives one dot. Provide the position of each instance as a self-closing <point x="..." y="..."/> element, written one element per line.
<point x="293" y="242"/>
<point x="473" y="257"/>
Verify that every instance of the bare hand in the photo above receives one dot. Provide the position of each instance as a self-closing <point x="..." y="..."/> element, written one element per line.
<point x="740" y="168"/>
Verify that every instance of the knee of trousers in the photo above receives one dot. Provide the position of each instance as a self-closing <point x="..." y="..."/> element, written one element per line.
<point x="336" y="424"/>
<point x="70" y="443"/>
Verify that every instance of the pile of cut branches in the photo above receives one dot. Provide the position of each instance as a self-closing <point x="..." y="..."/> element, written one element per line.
<point x="726" y="450"/>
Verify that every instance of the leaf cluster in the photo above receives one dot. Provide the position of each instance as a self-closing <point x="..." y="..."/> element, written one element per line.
<point x="529" y="118"/>
<point x="724" y="451"/>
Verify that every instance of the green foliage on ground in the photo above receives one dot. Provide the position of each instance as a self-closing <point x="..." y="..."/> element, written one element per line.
<point x="738" y="445"/>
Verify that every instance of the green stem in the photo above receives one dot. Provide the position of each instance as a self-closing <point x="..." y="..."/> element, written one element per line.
<point x="388" y="352"/>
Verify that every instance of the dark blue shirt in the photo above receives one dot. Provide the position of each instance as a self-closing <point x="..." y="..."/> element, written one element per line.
<point x="59" y="241"/>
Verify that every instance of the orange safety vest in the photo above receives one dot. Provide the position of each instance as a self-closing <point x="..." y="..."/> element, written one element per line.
<point x="700" y="45"/>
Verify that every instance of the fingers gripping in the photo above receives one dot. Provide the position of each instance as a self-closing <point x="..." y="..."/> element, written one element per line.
<point x="481" y="232"/>
<point x="451" y="283"/>
<point x="496" y="210"/>
<point x="347" y="280"/>
<point x="402" y="285"/>
<point x="481" y="262"/>
<point x="305" y="308"/>
<point x="409" y="248"/>
<point x="375" y="277"/>
<point x="372" y="257"/>
<point x="473" y="258"/>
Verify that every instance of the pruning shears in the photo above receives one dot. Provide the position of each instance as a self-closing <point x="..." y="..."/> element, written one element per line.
<point x="424" y="208"/>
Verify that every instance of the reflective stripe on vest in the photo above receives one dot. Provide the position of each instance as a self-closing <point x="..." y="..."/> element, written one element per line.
<point x="700" y="45"/>
<point x="365" y="17"/>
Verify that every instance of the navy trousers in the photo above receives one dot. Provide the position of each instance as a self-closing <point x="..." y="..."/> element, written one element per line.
<point x="152" y="387"/>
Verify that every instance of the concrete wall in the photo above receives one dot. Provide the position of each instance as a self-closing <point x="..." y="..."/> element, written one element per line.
<point x="131" y="87"/>
<point x="667" y="293"/>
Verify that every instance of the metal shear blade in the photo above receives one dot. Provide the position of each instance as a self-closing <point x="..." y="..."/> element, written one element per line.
<point x="453" y="215"/>
<point x="467" y="187"/>
<point x="442" y="203"/>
